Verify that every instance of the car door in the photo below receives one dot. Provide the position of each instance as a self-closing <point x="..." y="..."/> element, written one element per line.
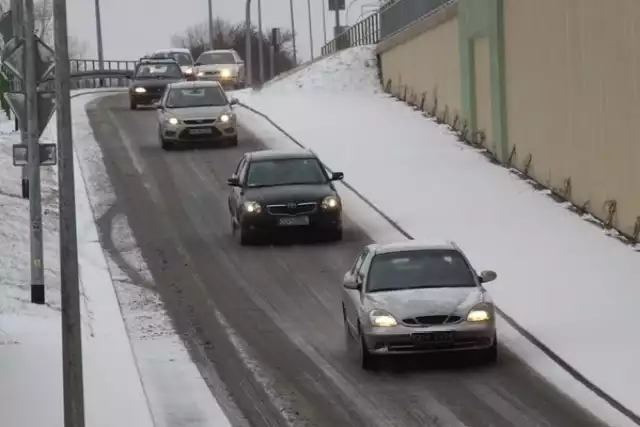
<point x="352" y="297"/>
<point x="235" y="197"/>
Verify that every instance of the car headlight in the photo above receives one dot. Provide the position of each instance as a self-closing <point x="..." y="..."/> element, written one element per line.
<point x="225" y="73"/>
<point x="252" y="207"/>
<point x="331" y="202"/>
<point x="200" y="74"/>
<point x="188" y="71"/>
<point x="140" y="90"/>
<point x="225" y="118"/>
<point x="382" y="319"/>
<point x="480" y="313"/>
<point x="173" y="121"/>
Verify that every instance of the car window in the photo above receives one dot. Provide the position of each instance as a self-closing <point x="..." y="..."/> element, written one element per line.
<point x="242" y="174"/>
<point x="239" y="167"/>
<point x="150" y="71"/>
<point x="210" y="96"/>
<point x="359" y="260"/>
<point x="270" y="173"/>
<point x="216" y="58"/>
<point x="182" y="58"/>
<point x="419" y="269"/>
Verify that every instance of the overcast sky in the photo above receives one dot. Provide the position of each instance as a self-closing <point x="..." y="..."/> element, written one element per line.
<point x="131" y="28"/>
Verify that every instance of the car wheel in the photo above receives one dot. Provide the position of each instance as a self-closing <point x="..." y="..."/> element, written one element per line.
<point x="244" y="236"/>
<point x="367" y="360"/>
<point x="347" y="333"/>
<point x="133" y="105"/>
<point x="166" y="145"/>
<point x="336" y="234"/>
<point x="233" y="141"/>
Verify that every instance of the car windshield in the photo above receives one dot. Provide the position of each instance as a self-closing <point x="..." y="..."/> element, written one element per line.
<point x="216" y="58"/>
<point x="160" y="71"/>
<point x="270" y="173"/>
<point x="180" y="57"/>
<point x="211" y="96"/>
<point x="419" y="269"/>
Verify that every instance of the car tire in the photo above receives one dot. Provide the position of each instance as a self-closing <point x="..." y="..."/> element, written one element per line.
<point x="233" y="141"/>
<point x="244" y="236"/>
<point x="166" y="145"/>
<point x="336" y="234"/>
<point x="368" y="361"/>
<point x="133" y="105"/>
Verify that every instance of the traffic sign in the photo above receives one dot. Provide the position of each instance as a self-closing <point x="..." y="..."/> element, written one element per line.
<point x="6" y="26"/>
<point x="48" y="154"/>
<point x="13" y="59"/>
<point x="18" y="104"/>
<point x="336" y="5"/>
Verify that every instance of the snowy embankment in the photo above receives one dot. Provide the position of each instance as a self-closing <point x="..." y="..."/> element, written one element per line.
<point x="559" y="276"/>
<point x="137" y="370"/>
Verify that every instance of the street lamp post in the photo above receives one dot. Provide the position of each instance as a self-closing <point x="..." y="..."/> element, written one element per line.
<point x="293" y="33"/>
<point x="260" y="44"/>
<point x="247" y="44"/>
<point x="310" y="28"/>
<point x="324" y="20"/>
<point x="211" y="37"/>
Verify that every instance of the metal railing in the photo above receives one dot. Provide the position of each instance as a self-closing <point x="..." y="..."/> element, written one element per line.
<point x="396" y="15"/>
<point x="362" y="33"/>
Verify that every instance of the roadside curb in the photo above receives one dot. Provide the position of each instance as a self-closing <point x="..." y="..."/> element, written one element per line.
<point x="614" y="403"/>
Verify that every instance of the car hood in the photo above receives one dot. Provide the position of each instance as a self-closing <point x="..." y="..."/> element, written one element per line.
<point x="153" y="82"/>
<point x="198" y="112"/>
<point x="426" y="302"/>
<point x="218" y="67"/>
<point x="289" y="193"/>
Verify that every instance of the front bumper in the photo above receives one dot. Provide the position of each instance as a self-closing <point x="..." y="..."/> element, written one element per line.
<point x="266" y="222"/>
<point x="199" y="132"/>
<point x="465" y="336"/>
<point x="224" y="81"/>
<point x="148" y="97"/>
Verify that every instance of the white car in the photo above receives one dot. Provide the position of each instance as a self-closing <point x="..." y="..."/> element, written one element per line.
<point x="224" y="66"/>
<point x="181" y="55"/>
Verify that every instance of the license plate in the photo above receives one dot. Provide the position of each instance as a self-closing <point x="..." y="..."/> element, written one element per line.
<point x="199" y="131"/>
<point x="432" y="337"/>
<point x="294" y="220"/>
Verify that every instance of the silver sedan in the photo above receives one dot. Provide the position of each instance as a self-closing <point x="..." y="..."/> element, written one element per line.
<point x="197" y="112"/>
<point x="412" y="297"/>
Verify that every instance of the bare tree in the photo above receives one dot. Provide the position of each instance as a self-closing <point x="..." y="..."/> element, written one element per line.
<point x="227" y="36"/>
<point x="43" y="23"/>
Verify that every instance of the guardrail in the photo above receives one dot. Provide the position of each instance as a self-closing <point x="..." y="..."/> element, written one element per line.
<point x="362" y="33"/>
<point x="392" y="17"/>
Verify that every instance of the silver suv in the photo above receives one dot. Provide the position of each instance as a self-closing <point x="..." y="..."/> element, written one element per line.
<point x="224" y="66"/>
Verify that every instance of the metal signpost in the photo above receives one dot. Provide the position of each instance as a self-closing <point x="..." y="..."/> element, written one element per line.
<point x="30" y="61"/>
<point x="293" y="33"/>
<point x="276" y="40"/>
<point x="336" y="6"/>
<point x="310" y="29"/>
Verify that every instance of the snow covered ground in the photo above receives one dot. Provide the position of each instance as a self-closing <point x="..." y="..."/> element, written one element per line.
<point x="137" y="370"/>
<point x="559" y="276"/>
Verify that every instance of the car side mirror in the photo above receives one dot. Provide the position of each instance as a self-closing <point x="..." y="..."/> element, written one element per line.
<point x="233" y="101"/>
<point x="240" y="62"/>
<point x="337" y="176"/>
<point x="233" y="182"/>
<point x="351" y="282"/>
<point x="488" y="276"/>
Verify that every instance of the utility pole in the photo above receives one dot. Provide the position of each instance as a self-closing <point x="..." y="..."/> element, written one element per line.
<point x="211" y="36"/>
<point x="73" y="387"/>
<point x="310" y="29"/>
<point x="293" y="33"/>
<point x="35" y="196"/>
<point x="324" y="20"/>
<point x="98" y="37"/>
<point x="17" y="15"/>
<point x="260" y="43"/>
<point x="247" y="44"/>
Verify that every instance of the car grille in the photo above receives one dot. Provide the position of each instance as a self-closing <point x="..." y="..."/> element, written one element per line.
<point x="431" y="320"/>
<point x="154" y="90"/>
<point x="292" y="208"/>
<point x="185" y="135"/>
<point x="200" y="122"/>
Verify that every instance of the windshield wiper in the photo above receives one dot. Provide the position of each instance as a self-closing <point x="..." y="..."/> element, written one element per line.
<point x="421" y="287"/>
<point x="286" y="184"/>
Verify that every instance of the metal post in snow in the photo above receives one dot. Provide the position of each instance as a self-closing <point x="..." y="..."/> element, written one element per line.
<point x="99" y="37"/>
<point x="35" y="196"/>
<point x="211" y="36"/>
<point x="310" y="28"/>
<point x="247" y="44"/>
<point x="18" y="13"/>
<point x="293" y="33"/>
<point x="260" y="43"/>
<point x="72" y="370"/>
<point x="324" y="20"/>
<point x="272" y="62"/>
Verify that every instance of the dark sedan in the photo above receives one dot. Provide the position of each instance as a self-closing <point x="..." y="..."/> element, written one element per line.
<point x="274" y="191"/>
<point x="150" y="79"/>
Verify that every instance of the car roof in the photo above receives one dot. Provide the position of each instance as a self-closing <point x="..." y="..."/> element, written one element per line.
<point x="413" y="245"/>
<point x="280" y="154"/>
<point x="194" y="84"/>
<point x="173" y="49"/>
<point x="219" y="51"/>
<point x="158" y="61"/>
